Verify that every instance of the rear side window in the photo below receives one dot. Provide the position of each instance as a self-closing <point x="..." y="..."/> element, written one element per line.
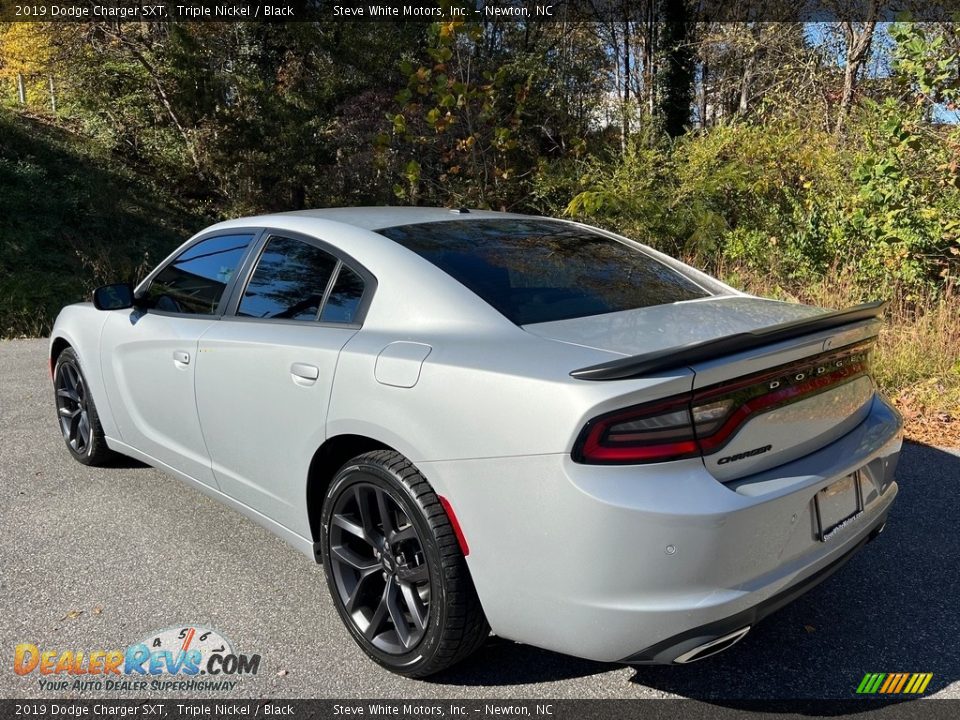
<point x="344" y="301"/>
<point x="536" y="271"/>
<point x="289" y="282"/>
<point x="194" y="281"/>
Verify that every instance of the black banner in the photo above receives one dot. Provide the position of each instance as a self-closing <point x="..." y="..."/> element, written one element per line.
<point x="480" y="709"/>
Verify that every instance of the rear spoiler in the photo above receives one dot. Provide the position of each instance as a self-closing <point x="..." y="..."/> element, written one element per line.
<point x="674" y="358"/>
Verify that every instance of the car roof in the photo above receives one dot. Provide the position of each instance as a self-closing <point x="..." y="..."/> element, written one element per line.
<point x="378" y="218"/>
<point x="406" y="282"/>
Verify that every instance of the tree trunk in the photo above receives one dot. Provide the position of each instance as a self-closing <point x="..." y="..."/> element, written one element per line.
<point x="675" y="74"/>
<point x="625" y="108"/>
<point x="744" y="104"/>
<point x="53" y="95"/>
<point x="704" y="79"/>
<point x="859" y="37"/>
<point x="21" y="90"/>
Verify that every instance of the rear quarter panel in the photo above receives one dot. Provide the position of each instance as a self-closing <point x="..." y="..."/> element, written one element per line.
<point x="488" y="395"/>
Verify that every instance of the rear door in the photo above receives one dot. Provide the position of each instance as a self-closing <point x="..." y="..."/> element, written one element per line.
<point x="148" y="356"/>
<point x="265" y="371"/>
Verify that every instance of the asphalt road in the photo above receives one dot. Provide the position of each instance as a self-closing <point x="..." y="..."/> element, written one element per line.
<point x="137" y="551"/>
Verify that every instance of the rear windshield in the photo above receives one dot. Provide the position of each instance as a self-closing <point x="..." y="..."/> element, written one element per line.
<point x="537" y="271"/>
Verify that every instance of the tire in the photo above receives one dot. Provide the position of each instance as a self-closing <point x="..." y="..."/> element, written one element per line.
<point x="77" y="413"/>
<point x="409" y="602"/>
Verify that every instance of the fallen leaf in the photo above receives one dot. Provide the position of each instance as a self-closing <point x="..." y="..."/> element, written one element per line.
<point x="809" y="628"/>
<point x="283" y="672"/>
<point x="97" y="610"/>
<point x="72" y="615"/>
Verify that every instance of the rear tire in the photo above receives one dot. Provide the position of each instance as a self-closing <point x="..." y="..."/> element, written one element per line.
<point x="395" y="570"/>
<point x="77" y="413"/>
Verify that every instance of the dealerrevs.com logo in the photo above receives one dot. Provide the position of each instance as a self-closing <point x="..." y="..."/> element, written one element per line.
<point x="189" y="658"/>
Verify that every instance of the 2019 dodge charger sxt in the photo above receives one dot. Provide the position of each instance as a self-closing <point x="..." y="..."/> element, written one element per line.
<point x="482" y="420"/>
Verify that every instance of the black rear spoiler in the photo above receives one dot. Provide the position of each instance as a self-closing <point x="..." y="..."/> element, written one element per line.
<point x="678" y="357"/>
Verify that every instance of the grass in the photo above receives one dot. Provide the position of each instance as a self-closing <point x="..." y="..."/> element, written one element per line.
<point x="73" y="217"/>
<point x="917" y="359"/>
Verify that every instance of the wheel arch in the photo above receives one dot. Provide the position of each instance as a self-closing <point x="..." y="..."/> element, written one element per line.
<point x="326" y="461"/>
<point x="57" y="345"/>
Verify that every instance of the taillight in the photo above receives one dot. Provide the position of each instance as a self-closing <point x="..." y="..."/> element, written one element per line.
<point x="643" y="433"/>
<point x="703" y="422"/>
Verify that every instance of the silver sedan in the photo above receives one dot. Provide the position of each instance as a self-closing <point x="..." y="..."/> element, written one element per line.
<point x="480" y="420"/>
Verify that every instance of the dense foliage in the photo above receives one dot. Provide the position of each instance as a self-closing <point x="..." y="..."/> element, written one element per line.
<point x="780" y="155"/>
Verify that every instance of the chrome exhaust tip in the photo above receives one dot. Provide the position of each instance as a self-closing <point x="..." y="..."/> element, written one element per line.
<point x="877" y="530"/>
<point x="713" y="647"/>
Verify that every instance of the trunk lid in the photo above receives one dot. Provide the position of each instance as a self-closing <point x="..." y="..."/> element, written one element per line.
<point x="661" y="327"/>
<point x="766" y="405"/>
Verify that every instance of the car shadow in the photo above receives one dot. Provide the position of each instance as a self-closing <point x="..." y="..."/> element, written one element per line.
<point x="123" y="462"/>
<point x="892" y="608"/>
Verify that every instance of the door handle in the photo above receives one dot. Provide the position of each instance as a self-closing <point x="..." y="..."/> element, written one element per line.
<point x="181" y="357"/>
<point x="304" y="371"/>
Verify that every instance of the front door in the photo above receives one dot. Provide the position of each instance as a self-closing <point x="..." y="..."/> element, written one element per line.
<point x="149" y="354"/>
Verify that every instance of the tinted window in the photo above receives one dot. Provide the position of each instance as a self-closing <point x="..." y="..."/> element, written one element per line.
<point x="289" y="282"/>
<point x="344" y="300"/>
<point x="536" y="270"/>
<point x="194" y="281"/>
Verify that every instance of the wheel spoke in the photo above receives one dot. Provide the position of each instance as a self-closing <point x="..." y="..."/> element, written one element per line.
<point x="367" y="518"/>
<point x="347" y="525"/>
<point x="68" y="395"/>
<point x="354" y="560"/>
<point x="411" y="599"/>
<point x="378" y="617"/>
<point x="383" y="507"/>
<point x="68" y="413"/>
<point x="74" y="425"/>
<point x="351" y="602"/>
<point x="70" y="377"/>
<point x="392" y="599"/>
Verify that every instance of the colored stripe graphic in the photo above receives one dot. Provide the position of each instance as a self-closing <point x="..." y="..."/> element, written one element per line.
<point x="894" y="683"/>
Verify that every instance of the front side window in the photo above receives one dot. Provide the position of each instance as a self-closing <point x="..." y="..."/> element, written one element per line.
<point x="194" y="282"/>
<point x="289" y="282"/>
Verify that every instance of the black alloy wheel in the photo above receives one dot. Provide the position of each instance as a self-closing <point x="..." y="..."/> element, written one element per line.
<point x="77" y="412"/>
<point x="394" y="567"/>
<point x="380" y="568"/>
<point x="72" y="408"/>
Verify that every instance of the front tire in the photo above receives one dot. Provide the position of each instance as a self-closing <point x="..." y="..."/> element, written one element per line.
<point x="395" y="570"/>
<point x="77" y="413"/>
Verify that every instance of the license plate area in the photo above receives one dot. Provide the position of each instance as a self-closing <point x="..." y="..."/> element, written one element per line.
<point x="837" y="505"/>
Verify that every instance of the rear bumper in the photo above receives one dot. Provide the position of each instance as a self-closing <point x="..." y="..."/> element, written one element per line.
<point x="733" y="628"/>
<point x="643" y="563"/>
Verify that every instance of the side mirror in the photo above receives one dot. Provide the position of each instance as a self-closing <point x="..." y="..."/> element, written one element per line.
<point x="113" y="297"/>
